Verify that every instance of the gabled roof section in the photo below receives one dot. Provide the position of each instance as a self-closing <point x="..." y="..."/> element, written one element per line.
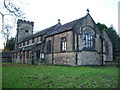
<point x="95" y="25"/>
<point x="66" y="27"/>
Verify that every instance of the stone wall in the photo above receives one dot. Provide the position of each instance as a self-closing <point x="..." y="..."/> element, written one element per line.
<point x="98" y="44"/>
<point x="27" y="58"/>
<point x="56" y="54"/>
<point x="57" y="41"/>
<point x="89" y="58"/>
<point x="65" y="58"/>
<point x="108" y="55"/>
<point x="112" y="63"/>
<point x="48" y="58"/>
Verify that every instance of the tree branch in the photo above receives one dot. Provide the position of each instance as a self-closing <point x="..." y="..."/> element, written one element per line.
<point x="11" y="11"/>
<point x="1" y="14"/>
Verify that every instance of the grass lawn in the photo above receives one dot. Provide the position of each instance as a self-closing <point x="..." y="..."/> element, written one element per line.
<point x="51" y="76"/>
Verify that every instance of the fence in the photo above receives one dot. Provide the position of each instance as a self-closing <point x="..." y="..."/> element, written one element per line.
<point x="5" y="57"/>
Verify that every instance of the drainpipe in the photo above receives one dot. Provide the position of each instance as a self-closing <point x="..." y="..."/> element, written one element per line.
<point x="77" y="49"/>
<point x="53" y="50"/>
<point x="102" y="51"/>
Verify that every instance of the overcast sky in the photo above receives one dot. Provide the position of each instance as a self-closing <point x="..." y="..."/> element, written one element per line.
<point x="45" y="13"/>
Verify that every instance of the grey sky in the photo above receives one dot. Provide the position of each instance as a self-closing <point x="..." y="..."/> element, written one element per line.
<point x="45" y="13"/>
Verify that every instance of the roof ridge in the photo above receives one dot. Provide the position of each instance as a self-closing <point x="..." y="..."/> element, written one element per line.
<point x="75" y="20"/>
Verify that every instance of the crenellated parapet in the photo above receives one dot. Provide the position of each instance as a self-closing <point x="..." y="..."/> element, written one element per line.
<point x="20" y="21"/>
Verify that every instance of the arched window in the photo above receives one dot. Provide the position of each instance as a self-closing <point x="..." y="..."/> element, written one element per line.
<point x="88" y="39"/>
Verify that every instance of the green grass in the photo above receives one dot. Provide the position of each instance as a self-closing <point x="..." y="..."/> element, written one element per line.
<point x="48" y="76"/>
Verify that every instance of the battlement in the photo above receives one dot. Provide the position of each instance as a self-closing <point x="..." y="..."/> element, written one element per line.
<point x="20" y="21"/>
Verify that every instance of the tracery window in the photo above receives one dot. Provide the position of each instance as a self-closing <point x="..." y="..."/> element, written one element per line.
<point x="88" y="39"/>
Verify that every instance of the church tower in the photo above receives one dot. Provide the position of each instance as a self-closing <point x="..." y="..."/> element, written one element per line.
<point x="24" y="29"/>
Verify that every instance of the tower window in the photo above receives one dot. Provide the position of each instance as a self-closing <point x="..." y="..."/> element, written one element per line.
<point x="63" y="44"/>
<point x="26" y="30"/>
<point x="88" y="40"/>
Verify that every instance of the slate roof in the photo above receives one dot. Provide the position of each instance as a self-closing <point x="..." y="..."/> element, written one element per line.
<point x="25" y="48"/>
<point x="66" y="27"/>
<point x="16" y="50"/>
<point x="29" y="47"/>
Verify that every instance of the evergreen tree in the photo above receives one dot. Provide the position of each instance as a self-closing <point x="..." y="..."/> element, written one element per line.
<point x="10" y="44"/>
<point x="115" y="39"/>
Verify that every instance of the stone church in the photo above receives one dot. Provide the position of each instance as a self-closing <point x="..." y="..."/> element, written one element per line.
<point x="78" y="42"/>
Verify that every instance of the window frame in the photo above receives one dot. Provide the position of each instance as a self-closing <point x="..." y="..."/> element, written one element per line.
<point x="63" y="44"/>
<point x="88" y="39"/>
<point x="42" y="55"/>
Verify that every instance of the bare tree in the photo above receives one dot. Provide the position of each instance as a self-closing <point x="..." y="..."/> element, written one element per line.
<point x="6" y="32"/>
<point x="13" y="9"/>
<point x="9" y="10"/>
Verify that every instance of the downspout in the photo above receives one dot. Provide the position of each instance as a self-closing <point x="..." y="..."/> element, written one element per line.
<point x="102" y="51"/>
<point x="77" y="49"/>
<point x="53" y="50"/>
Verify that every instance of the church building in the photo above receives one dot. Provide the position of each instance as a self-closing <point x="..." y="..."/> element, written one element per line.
<point x="78" y="42"/>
